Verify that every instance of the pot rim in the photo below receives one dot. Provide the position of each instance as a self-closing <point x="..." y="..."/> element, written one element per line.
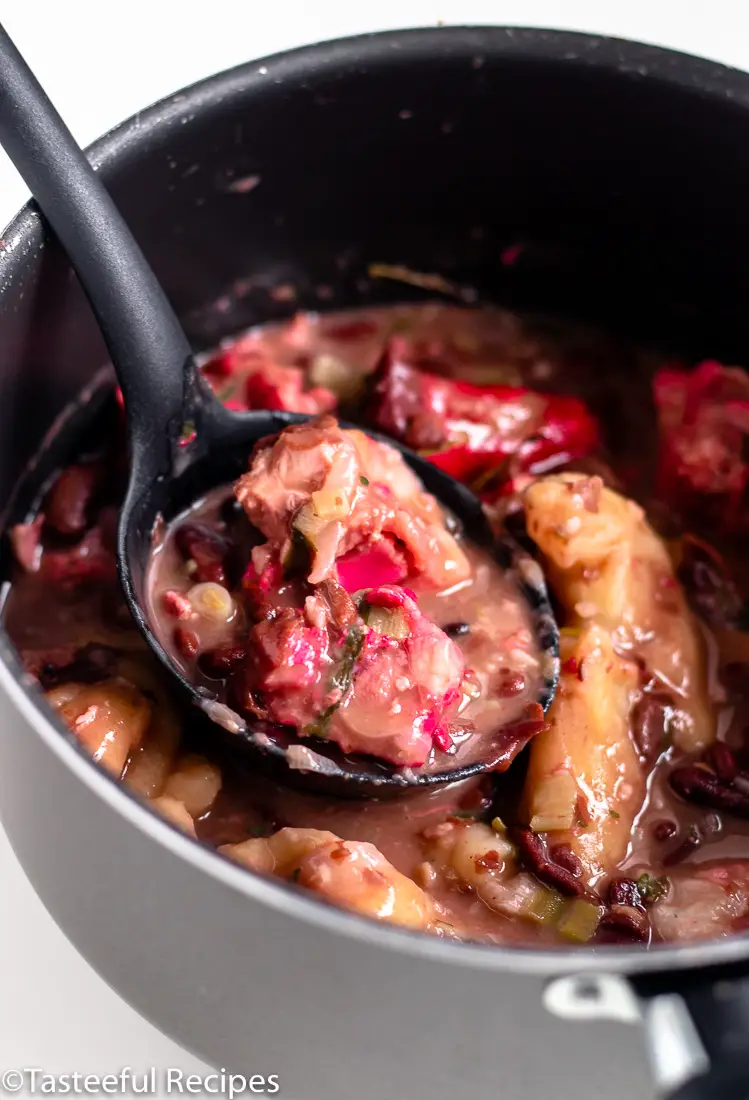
<point x="632" y="61"/>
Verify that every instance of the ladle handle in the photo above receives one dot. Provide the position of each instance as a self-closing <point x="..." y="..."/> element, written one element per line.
<point x="151" y="355"/>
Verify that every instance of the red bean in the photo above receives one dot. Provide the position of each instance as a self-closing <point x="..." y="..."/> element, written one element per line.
<point x="186" y="641"/>
<point x="221" y="661"/>
<point x="627" y="919"/>
<point x="197" y="542"/>
<point x="703" y="788"/>
<point x="723" y="761"/>
<point x="532" y="851"/>
<point x="624" y="891"/>
<point x="563" y="855"/>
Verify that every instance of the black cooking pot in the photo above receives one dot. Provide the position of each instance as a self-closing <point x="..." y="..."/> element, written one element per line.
<point x="623" y="170"/>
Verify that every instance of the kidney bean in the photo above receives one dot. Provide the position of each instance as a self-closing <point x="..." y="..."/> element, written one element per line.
<point x="186" y="641"/>
<point x="68" y="502"/>
<point x="625" y="892"/>
<point x="533" y="853"/>
<point x="197" y="542"/>
<point x="563" y="855"/>
<point x="221" y="661"/>
<point x="651" y="724"/>
<point x="628" y="919"/>
<point x="722" y="760"/>
<point x="703" y="788"/>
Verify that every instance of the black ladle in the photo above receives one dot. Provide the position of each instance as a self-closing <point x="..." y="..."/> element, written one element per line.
<point x="182" y="441"/>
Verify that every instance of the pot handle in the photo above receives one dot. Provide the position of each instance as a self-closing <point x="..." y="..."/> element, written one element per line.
<point x="698" y="1036"/>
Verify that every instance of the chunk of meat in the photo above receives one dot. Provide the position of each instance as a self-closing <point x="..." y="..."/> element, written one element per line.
<point x="585" y="783"/>
<point x="608" y="566"/>
<point x="703" y="422"/>
<point x="289" y="664"/>
<point x="109" y="718"/>
<point x="270" y="386"/>
<point x="339" y="490"/>
<point x="260" y="383"/>
<point x="704" y="902"/>
<point x="385" y="686"/>
<point x="352" y="874"/>
<point x="408" y="679"/>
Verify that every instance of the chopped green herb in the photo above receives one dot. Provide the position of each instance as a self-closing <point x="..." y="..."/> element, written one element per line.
<point x="614" y="814"/>
<point x="258" y="831"/>
<point x="364" y="480"/>
<point x="342" y="678"/>
<point x="581" y="824"/>
<point x="652" y="889"/>
<point x="464" y="815"/>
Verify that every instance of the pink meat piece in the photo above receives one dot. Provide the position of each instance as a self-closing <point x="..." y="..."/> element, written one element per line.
<point x="290" y="664"/>
<point x="404" y="689"/>
<point x="703" y="420"/>
<point x="270" y="386"/>
<point x="375" y="564"/>
<point x="375" y="496"/>
<point x="370" y="693"/>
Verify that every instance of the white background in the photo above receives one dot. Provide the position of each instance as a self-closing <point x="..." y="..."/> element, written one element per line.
<point x="101" y="61"/>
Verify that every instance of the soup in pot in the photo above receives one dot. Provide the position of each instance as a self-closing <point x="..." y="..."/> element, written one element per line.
<point x="328" y="592"/>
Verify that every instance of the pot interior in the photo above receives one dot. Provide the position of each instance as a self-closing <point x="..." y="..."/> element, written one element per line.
<point x="621" y="169"/>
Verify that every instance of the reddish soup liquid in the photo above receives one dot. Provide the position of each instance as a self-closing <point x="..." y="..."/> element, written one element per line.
<point x="619" y="818"/>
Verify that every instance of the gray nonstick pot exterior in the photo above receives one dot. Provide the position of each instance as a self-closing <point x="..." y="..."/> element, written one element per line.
<point x="623" y="170"/>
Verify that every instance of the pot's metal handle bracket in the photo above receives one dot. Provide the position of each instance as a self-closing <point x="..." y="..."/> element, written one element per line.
<point x="696" y="1027"/>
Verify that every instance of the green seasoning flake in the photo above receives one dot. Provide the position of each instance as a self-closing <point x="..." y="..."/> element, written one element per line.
<point x="364" y="480"/>
<point x="614" y="814"/>
<point x="341" y="679"/>
<point x="352" y="647"/>
<point x="652" y="889"/>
